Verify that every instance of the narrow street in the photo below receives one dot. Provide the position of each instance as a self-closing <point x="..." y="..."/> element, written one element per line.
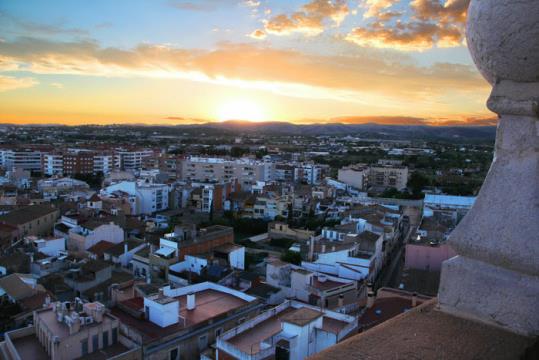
<point x="390" y="274"/>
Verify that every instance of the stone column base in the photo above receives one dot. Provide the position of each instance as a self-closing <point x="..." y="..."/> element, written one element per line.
<point x="477" y="290"/>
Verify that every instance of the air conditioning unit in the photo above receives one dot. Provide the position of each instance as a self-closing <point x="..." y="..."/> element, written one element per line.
<point x="88" y="320"/>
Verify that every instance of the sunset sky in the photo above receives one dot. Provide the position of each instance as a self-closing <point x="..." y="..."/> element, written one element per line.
<point x="180" y="61"/>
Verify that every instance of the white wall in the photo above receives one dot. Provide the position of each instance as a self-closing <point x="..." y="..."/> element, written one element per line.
<point x="108" y="232"/>
<point x="52" y="247"/>
<point x="236" y="258"/>
<point x="163" y="314"/>
<point x="300" y="285"/>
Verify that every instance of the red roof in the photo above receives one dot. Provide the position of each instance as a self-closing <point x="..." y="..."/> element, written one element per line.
<point x="100" y="247"/>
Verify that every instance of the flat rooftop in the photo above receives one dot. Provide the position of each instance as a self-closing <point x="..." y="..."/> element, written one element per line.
<point x="249" y="340"/>
<point x="209" y="304"/>
<point x="29" y="347"/>
<point x="327" y="284"/>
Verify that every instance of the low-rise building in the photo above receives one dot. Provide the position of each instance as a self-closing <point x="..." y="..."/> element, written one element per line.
<point x="70" y="331"/>
<point x="32" y="220"/>
<point x="181" y="323"/>
<point x="292" y="330"/>
<point x="85" y="235"/>
<point x="281" y="230"/>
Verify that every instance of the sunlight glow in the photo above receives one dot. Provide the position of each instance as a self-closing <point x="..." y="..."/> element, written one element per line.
<point x="241" y="110"/>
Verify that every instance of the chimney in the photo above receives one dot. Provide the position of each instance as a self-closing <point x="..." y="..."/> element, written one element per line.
<point x="191" y="301"/>
<point x="414" y="299"/>
<point x="323" y="250"/>
<point x="370" y="299"/>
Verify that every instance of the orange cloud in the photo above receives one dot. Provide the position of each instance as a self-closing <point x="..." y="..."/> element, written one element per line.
<point x="376" y="7"/>
<point x="431" y="23"/>
<point x="12" y="83"/>
<point x="258" y="34"/>
<point x="310" y="20"/>
<point x="287" y="72"/>
<point x="408" y="120"/>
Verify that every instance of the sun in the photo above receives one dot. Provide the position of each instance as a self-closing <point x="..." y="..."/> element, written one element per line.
<point x="240" y="110"/>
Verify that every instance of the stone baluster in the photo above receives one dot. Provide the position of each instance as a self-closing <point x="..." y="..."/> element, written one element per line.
<point x="495" y="277"/>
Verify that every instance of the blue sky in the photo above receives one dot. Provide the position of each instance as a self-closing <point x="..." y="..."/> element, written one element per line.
<point x="305" y="60"/>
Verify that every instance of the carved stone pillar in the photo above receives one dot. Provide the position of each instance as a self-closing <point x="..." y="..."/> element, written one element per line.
<point x="495" y="277"/>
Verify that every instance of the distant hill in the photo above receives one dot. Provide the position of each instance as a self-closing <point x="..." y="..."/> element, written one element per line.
<point x="370" y="130"/>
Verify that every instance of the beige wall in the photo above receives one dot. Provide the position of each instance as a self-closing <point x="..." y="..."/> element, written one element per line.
<point x="69" y="347"/>
<point x="39" y="226"/>
<point x="387" y="176"/>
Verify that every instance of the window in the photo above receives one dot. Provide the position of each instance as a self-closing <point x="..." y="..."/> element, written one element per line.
<point x="114" y="335"/>
<point x="218" y="332"/>
<point x="95" y="341"/>
<point x="173" y="355"/>
<point x="105" y="339"/>
<point x="202" y="342"/>
<point x="84" y="347"/>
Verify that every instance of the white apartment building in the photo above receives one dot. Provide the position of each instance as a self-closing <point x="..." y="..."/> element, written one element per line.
<point x="247" y="171"/>
<point x="309" y="173"/>
<point x="130" y="160"/>
<point x="388" y="176"/>
<point x="103" y="163"/>
<point x="354" y="175"/>
<point x="21" y="159"/>
<point x="53" y="164"/>
<point x="382" y="175"/>
<point x="144" y="198"/>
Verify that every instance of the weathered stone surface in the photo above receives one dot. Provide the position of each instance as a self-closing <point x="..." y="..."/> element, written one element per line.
<point x="503" y="38"/>
<point x="502" y="228"/>
<point x="495" y="279"/>
<point x="425" y="333"/>
<point x="481" y="291"/>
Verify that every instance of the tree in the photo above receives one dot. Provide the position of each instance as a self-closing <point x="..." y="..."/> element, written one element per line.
<point x="417" y="183"/>
<point x="237" y="151"/>
<point x="291" y="257"/>
<point x="290" y="214"/>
